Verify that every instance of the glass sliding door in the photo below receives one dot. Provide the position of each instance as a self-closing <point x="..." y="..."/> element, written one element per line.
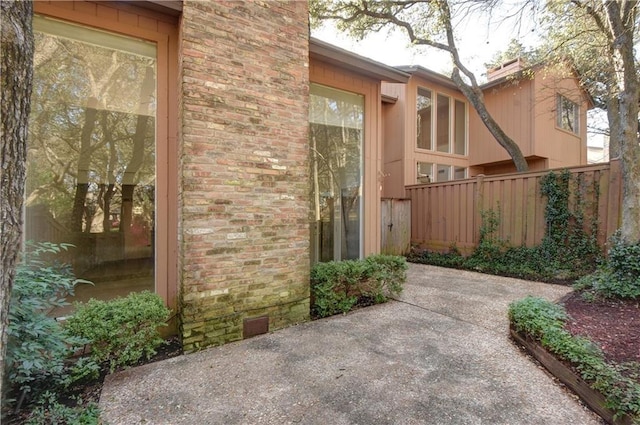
<point x="336" y="132"/>
<point x="91" y="170"/>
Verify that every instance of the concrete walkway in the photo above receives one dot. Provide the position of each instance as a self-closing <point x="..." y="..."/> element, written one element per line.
<point x="440" y="355"/>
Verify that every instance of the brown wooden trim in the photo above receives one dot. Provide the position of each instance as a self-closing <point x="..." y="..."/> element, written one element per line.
<point x="588" y="395"/>
<point x="170" y="7"/>
<point x="389" y="99"/>
<point x="161" y="10"/>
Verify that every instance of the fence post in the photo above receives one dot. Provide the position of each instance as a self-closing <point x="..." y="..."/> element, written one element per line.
<point x="478" y="205"/>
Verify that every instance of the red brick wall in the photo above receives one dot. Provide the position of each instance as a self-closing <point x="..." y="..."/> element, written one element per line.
<point x="243" y="190"/>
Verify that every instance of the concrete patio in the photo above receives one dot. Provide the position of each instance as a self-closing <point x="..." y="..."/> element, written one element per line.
<point x="439" y="355"/>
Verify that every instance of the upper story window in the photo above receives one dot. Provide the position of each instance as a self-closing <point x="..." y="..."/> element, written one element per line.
<point x="443" y="120"/>
<point x="460" y="128"/>
<point x="442" y="129"/>
<point x="423" y="107"/>
<point x="568" y="115"/>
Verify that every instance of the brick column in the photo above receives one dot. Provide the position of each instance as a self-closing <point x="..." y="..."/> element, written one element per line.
<point x="244" y="188"/>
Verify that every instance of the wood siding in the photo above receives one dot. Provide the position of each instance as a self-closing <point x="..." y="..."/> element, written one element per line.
<point x="511" y="105"/>
<point x="526" y="111"/>
<point x="562" y="148"/>
<point x="446" y="214"/>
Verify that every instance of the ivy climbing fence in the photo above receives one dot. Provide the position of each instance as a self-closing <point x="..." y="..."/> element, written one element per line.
<point x="449" y="214"/>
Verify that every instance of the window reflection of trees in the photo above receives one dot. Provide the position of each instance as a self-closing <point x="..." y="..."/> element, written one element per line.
<point x="336" y="153"/>
<point x="91" y="158"/>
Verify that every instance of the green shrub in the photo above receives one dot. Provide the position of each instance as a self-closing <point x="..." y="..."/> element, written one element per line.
<point x="387" y="276"/>
<point x="452" y="259"/>
<point x="38" y="346"/>
<point x="618" y="276"/>
<point x="337" y="286"/>
<point x="50" y="411"/>
<point x="544" y="321"/>
<point x="123" y="330"/>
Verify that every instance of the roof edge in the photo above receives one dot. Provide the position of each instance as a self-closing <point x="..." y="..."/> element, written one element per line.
<point x="169" y="7"/>
<point x="327" y="52"/>
<point x="428" y="74"/>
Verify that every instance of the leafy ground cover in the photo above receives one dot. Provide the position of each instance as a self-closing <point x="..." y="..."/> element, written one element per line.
<point x="54" y="368"/>
<point x="617" y="380"/>
<point x="83" y="396"/>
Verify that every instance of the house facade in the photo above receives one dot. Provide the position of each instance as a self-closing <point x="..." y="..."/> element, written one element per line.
<point x="433" y="134"/>
<point x="207" y="151"/>
<point x="212" y="151"/>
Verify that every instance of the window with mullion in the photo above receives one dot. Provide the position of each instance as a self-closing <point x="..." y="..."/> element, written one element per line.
<point x="424" y="120"/>
<point x="568" y="115"/>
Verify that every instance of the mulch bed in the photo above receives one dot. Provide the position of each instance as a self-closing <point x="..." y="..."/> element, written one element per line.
<point x="614" y="325"/>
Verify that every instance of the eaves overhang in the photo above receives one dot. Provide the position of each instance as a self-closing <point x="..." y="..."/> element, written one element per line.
<point x="168" y="7"/>
<point x="429" y="75"/>
<point x="526" y="74"/>
<point x="333" y="55"/>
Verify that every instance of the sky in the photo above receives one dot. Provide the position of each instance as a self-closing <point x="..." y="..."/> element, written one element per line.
<point x="479" y="36"/>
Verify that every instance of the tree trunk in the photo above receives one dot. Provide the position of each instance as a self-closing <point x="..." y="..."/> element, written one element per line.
<point x="621" y="17"/>
<point x="109" y="188"/>
<point x="613" y="115"/>
<point x="84" y="163"/>
<point x="473" y="93"/>
<point x="16" y="52"/>
<point x="137" y="156"/>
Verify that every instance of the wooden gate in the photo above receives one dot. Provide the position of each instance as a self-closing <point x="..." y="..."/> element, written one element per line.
<point x="396" y="226"/>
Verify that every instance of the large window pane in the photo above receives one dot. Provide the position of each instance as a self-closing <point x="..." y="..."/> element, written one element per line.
<point x="336" y="120"/>
<point x="91" y="155"/>
<point x="460" y="129"/>
<point x="424" y="108"/>
<point x="443" y="124"/>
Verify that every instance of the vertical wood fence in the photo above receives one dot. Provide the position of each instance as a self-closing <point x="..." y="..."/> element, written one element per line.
<point x="449" y="213"/>
<point x="396" y="226"/>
